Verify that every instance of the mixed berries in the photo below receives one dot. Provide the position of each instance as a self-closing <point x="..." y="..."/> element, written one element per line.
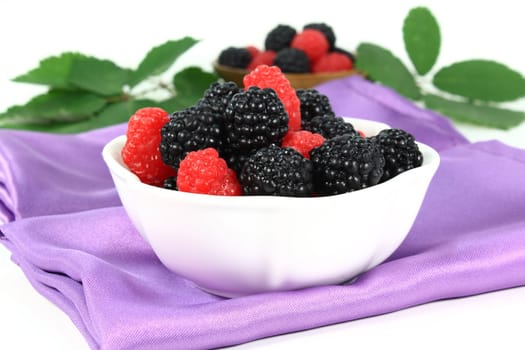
<point x="311" y="50"/>
<point x="264" y="139"/>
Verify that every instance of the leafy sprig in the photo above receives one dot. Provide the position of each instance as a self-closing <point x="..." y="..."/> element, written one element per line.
<point x="86" y="92"/>
<point x="468" y="91"/>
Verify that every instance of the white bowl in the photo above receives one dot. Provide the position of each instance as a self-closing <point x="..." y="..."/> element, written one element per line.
<point x="234" y="246"/>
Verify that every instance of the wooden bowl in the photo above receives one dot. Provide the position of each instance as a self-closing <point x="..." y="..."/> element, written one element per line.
<point x="297" y="80"/>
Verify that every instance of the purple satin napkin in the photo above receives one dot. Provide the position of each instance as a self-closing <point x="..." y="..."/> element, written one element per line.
<point x="80" y="250"/>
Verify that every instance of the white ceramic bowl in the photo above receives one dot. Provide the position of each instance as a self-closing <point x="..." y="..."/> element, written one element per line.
<point x="234" y="246"/>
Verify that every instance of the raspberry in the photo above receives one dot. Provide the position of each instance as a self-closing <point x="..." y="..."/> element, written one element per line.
<point x="237" y="57"/>
<point x="303" y="141"/>
<point x="312" y="42"/>
<point x="190" y="129"/>
<point x="327" y="31"/>
<point x="291" y="60"/>
<point x="348" y="54"/>
<point x="254" y="51"/>
<point x="141" y="151"/>
<point x="271" y="77"/>
<point x="277" y="171"/>
<point x="332" y="62"/>
<point x="263" y="57"/>
<point x="400" y="151"/>
<point x="346" y="163"/>
<point x="253" y="119"/>
<point x="330" y="126"/>
<point x="205" y="172"/>
<point x="313" y="104"/>
<point x="279" y="38"/>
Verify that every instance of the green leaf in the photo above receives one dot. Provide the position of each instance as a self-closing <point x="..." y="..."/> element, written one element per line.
<point x="115" y="113"/>
<point x="174" y="104"/>
<point x="482" y="115"/>
<point x="191" y="82"/>
<point x="52" y="71"/>
<point x="481" y="80"/>
<point x="160" y="58"/>
<point x="56" y="105"/>
<point x="99" y="76"/>
<point x="422" y="39"/>
<point x="382" y="66"/>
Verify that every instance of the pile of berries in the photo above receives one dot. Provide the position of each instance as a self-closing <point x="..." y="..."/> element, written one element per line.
<point x="265" y="139"/>
<point x="312" y="50"/>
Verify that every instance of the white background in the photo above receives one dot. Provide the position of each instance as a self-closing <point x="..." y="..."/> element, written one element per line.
<point x="124" y="32"/>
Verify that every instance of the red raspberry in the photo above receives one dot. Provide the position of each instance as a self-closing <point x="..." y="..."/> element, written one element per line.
<point x="332" y="62"/>
<point x="271" y="77"/>
<point x="205" y="172"/>
<point x="303" y="141"/>
<point x="263" y="57"/>
<point x="362" y="134"/>
<point x="141" y="151"/>
<point x="253" y="50"/>
<point x="312" y="42"/>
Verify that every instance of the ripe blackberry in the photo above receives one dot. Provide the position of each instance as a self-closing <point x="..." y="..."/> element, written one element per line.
<point x="238" y="57"/>
<point x="190" y="129"/>
<point x="400" y="151"/>
<point x="218" y="95"/>
<point x="253" y="119"/>
<point x="327" y="31"/>
<point x="277" y="171"/>
<point x="346" y="163"/>
<point x="329" y="125"/>
<point x="313" y="104"/>
<point x="279" y="38"/>
<point x="235" y="159"/>
<point x="292" y="61"/>
<point x="271" y="77"/>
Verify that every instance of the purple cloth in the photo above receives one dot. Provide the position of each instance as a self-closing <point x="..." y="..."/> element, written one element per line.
<point x="80" y="250"/>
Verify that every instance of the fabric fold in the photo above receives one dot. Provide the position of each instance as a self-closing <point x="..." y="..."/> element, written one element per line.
<point x="68" y="233"/>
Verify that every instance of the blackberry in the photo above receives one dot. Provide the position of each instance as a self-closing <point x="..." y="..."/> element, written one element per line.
<point x="235" y="160"/>
<point x="190" y="129"/>
<point x="400" y="151"/>
<point x="218" y="95"/>
<point x="253" y="119"/>
<point x="346" y="163"/>
<point x="348" y="54"/>
<point x="238" y="57"/>
<point x="326" y="30"/>
<point x="170" y="183"/>
<point x="277" y="171"/>
<point x="292" y="60"/>
<point x="329" y="125"/>
<point x="313" y="104"/>
<point x="279" y="38"/>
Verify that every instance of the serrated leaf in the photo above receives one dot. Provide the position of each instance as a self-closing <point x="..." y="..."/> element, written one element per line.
<point x="56" y="105"/>
<point x="174" y="104"/>
<point x="52" y="71"/>
<point x="160" y="58"/>
<point x="482" y="115"/>
<point x="481" y="80"/>
<point x="382" y="66"/>
<point x="191" y="82"/>
<point x="422" y="39"/>
<point x="99" y="76"/>
<point x="114" y="113"/>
